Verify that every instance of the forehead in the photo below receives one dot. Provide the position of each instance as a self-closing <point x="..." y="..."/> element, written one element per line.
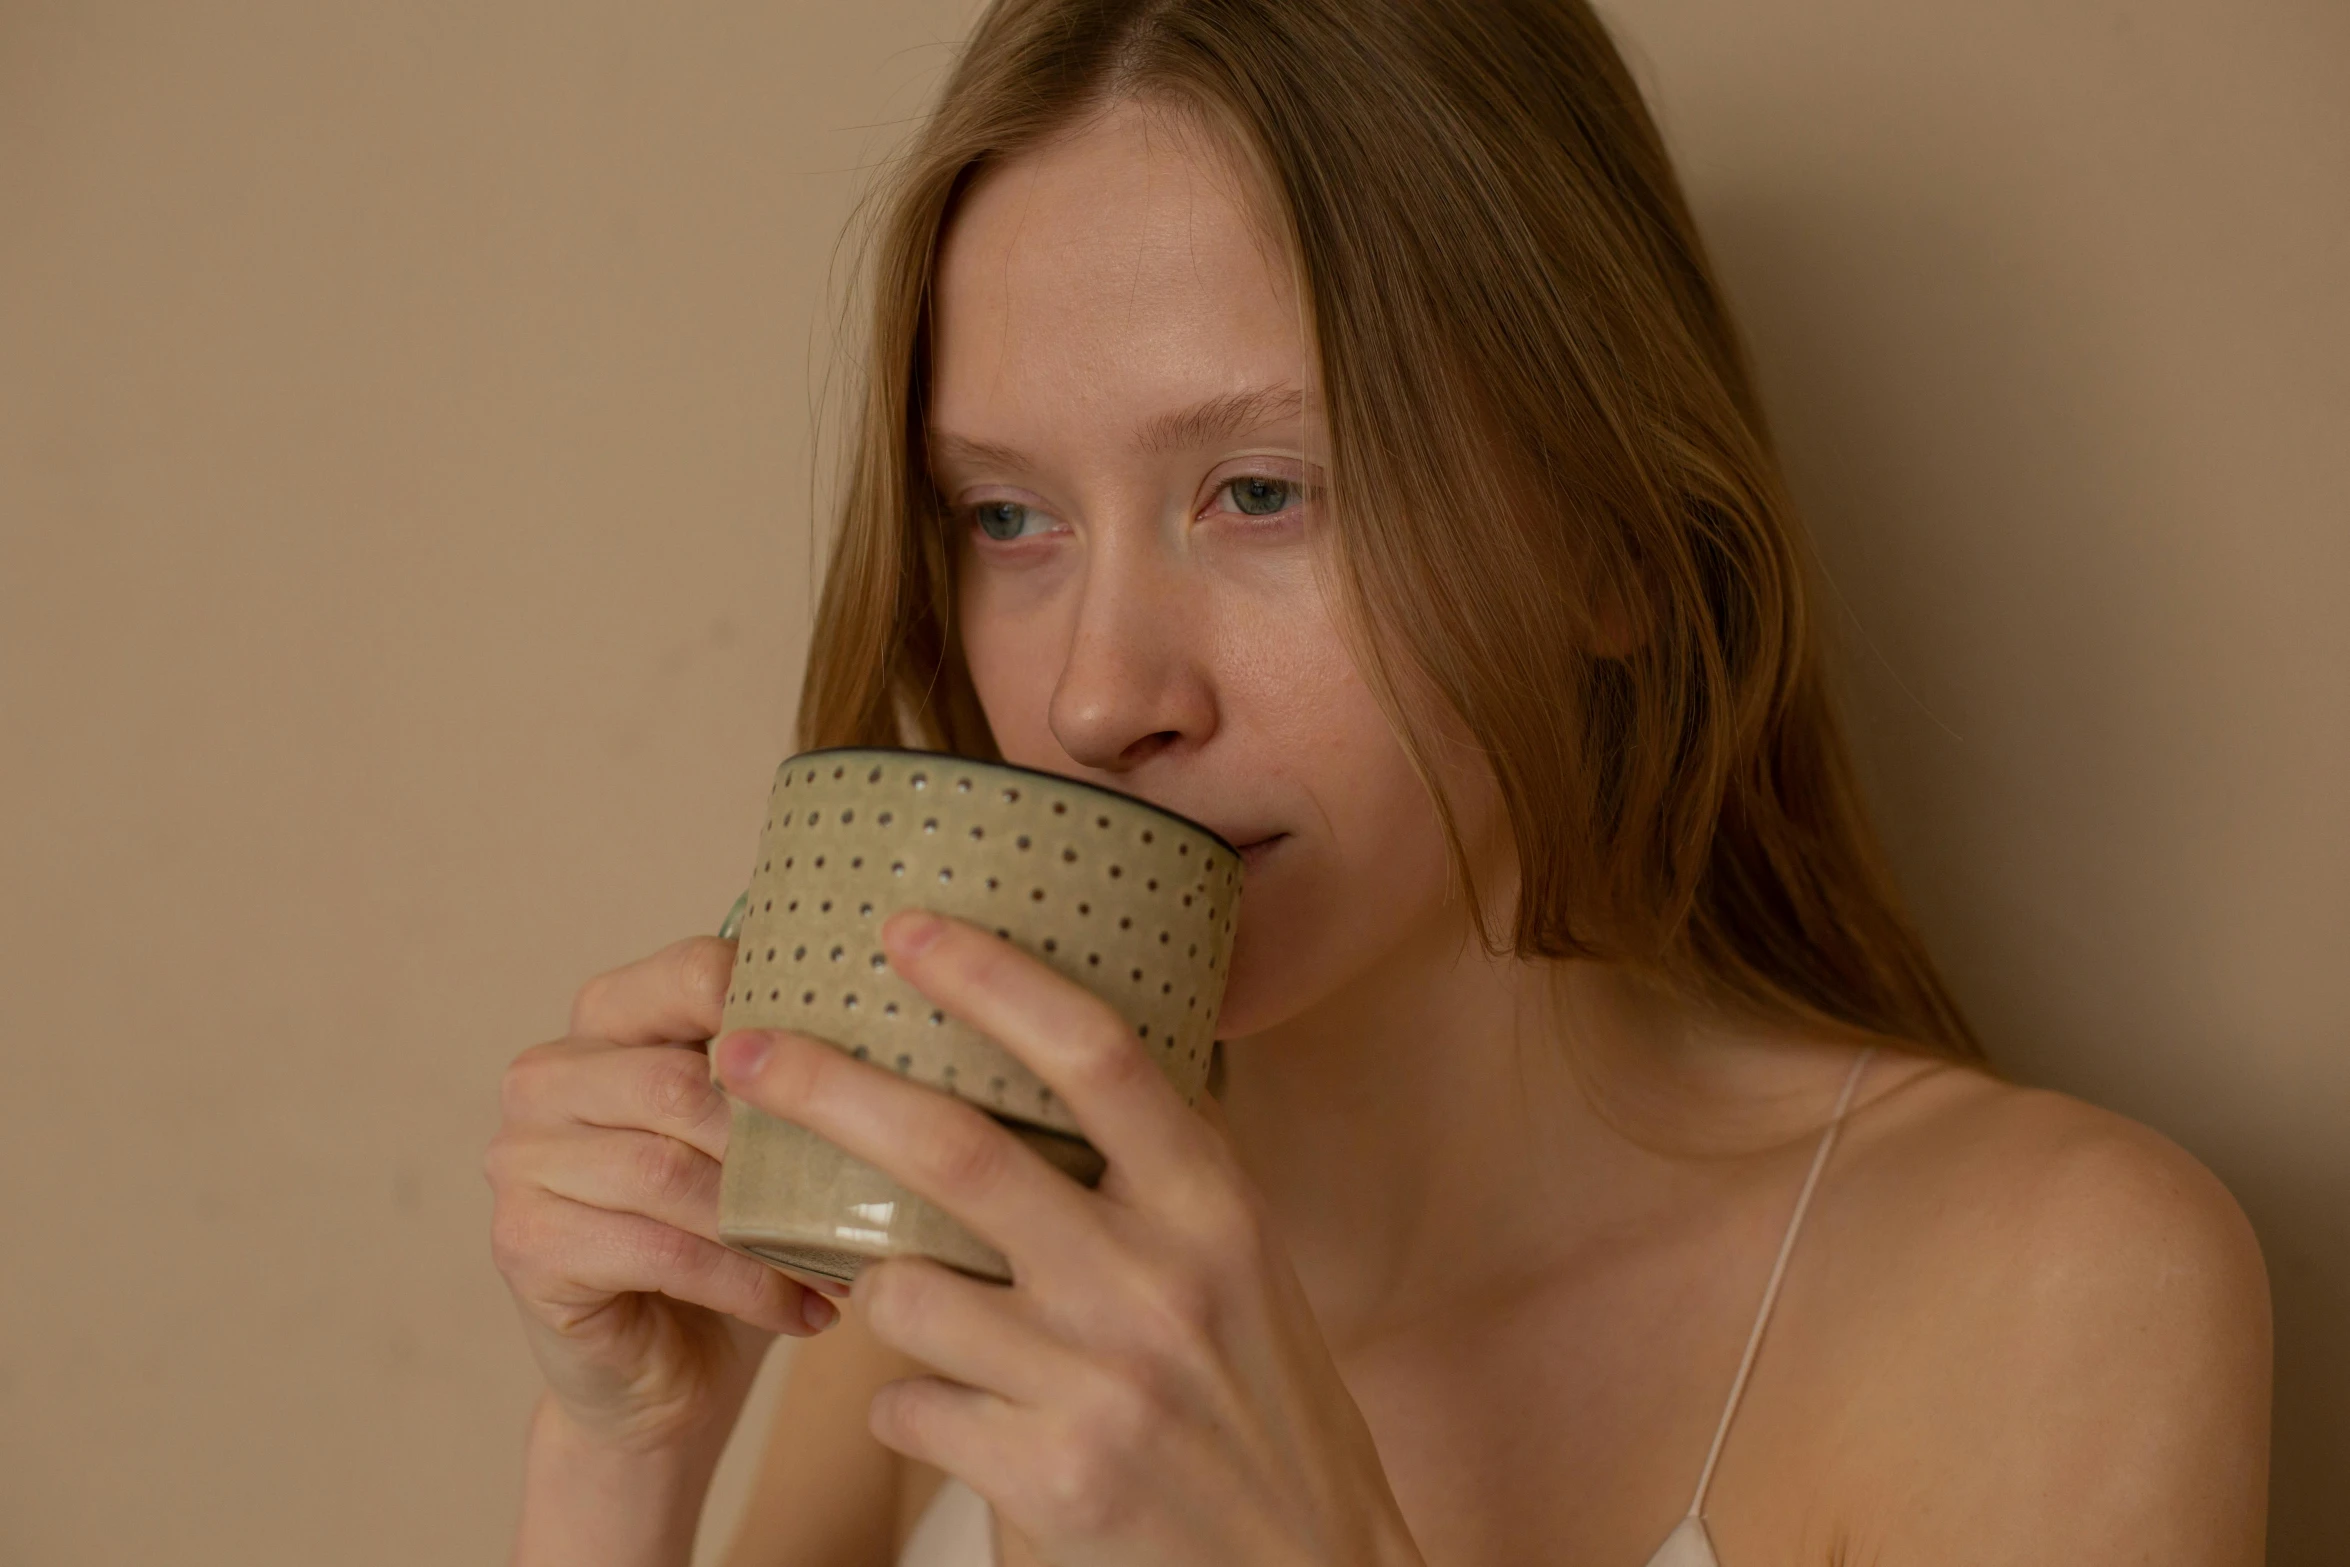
<point x="1125" y="262"/>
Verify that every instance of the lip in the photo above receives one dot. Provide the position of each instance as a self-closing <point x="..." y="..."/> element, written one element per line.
<point x="1253" y="854"/>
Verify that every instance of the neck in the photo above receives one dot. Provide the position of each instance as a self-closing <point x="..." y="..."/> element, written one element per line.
<point x="1408" y="1132"/>
<point x="1451" y="1128"/>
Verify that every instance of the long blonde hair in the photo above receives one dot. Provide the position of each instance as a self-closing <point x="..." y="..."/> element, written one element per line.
<point x="1561" y="510"/>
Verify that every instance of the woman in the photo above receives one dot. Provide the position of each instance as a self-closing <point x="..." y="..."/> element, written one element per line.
<point x="1318" y="417"/>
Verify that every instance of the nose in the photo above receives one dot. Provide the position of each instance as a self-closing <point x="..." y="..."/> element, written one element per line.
<point x="1135" y="677"/>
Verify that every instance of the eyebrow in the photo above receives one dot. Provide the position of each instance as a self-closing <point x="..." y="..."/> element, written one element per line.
<point x="1222" y="416"/>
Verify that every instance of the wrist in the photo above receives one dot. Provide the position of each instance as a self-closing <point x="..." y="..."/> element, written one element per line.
<point x="590" y="1502"/>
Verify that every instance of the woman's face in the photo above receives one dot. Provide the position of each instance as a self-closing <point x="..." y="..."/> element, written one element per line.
<point x="1125" y="430"/>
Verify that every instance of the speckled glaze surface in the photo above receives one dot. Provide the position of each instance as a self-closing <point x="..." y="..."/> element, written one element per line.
<point x="1130" y="900"/>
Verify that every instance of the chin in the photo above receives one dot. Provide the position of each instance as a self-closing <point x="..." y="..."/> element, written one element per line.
<point x="1306" y="946"/>
<point x="1272" y="977"/>
<point x="1241" y="1014"/>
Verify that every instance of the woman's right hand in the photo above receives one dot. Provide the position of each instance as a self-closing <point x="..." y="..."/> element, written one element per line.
<point x="605" y="1172"/>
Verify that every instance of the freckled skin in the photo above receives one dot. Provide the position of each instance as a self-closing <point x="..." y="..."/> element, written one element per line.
<point x="1145" y="632"/>
<point x="1534" y="1239"/>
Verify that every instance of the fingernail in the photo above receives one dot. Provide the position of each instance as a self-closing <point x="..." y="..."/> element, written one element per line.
<point x="740" y="1056"/>
<point x="911" y="930"/>
<point x="818" y="1312"/>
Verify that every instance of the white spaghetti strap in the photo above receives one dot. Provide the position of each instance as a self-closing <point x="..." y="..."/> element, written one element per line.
<point x="1819" y="1161"/>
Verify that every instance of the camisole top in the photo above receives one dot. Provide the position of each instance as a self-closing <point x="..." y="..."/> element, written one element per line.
<point x="957" y="1529"/>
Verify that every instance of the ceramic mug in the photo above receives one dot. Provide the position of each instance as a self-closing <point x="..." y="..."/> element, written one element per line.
<point x="1130" y="900"/>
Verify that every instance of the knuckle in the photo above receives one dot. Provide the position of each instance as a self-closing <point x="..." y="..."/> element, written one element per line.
<point x="593" y="1002"/>
<point x="973" y="1156"/>
<point x="675" y="1087"/>
<point x="1218" y="1210"/>
<point x="1230" y="1219"/>
<point x="517" y="1236"/>
<point x="1180" y="1301"/>
<point x="673" y="1254"/>
<point x="901" y="1414"/>
<point x="878" y="1290"/>
<point x="668" y="1171"/>
<point x="1073" y="1481"/>
<point x="977" y="966"/>
<point x="1150" y="1389"/>
<point x="497" y="1161"/>
<point x="893" y="1298"/>
<point x="1131" y="1403"/>
<point x="522" y="1086"/>
<point x="885" y="1416"/>
<point x="1116" y="1064"/>
<point x="705" y="967"/>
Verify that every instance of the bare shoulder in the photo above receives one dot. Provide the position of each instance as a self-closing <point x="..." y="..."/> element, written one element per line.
<point x="2039" y="1187"/>
<point x="2066" y="1321"/>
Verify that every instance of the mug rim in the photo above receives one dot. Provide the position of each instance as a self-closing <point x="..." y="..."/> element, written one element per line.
<point x="1032" y="772"/>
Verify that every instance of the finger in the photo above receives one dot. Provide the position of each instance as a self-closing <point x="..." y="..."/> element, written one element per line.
<point x="969" y="1432"/>
<point x="628" y="1172"/>
<point x="675" y="996"/>
<point x="1022" y="1459"/>
<point x="977" y="1333"/>
<point x="650" y="1088"/>
<point x="580" y="1254"/>
<point x="1069" y="1037"/>
<point x="935" y="1145"/>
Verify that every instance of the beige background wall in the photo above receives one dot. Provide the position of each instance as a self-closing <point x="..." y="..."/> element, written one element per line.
<point x="404" y="548"/>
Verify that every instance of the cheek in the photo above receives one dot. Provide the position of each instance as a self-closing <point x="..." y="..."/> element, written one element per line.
<point x="1365" y="880"/>
<point x="1300" y="731"/>
<point x="1013" y="652"/>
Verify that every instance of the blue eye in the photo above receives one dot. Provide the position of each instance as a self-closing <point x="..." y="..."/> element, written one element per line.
<point x="1259" y="496"/>
<point x="993" y="520"/>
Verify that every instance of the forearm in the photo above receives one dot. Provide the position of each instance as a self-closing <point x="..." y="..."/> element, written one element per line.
<point x="585" y="1504"/>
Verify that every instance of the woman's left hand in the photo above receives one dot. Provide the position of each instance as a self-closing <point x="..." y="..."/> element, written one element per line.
<point x="1152" y="1390"/>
